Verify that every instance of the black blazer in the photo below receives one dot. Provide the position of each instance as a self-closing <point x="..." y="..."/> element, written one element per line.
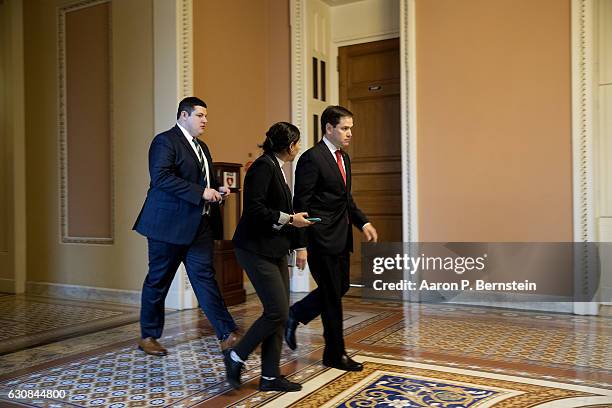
<point x="266" y="194"/>
<point x="320" y="190"/>
<point x="172" y="210"/>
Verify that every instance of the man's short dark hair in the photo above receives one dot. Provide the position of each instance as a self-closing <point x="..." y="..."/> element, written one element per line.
<point x="188" y="105"/>
<point x="332" y="115"/>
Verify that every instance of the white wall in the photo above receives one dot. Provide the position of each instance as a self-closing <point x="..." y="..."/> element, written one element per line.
<point x="365" y="19"/>
<point x="356" y="23"/>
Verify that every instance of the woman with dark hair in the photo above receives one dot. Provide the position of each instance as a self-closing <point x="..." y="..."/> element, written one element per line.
<point x="262" y="242"/>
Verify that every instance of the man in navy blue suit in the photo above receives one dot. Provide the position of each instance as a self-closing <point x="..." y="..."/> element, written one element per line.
<point x="181" y="218"/>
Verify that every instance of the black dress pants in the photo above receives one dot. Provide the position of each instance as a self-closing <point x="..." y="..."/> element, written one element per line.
<point x="270" y="278"/>
<point x="331" y="272"/>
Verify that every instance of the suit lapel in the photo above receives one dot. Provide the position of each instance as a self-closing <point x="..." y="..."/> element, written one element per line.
<point x="331" y="161"/>
<point x="347" y="170"/>
<point x="281" y="180"/>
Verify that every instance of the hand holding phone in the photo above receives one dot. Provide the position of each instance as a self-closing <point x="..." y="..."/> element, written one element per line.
<point x="300" y="220"/>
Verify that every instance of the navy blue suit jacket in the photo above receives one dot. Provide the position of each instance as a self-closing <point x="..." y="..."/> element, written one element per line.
<point x="173" y="208"/>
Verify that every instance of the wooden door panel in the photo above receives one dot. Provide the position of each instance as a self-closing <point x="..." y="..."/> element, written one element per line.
<point x="379" y="183"/>
<point x="376" y="131"/>
<point x="392" y="164"/>
<point x="387" y="202"/>
<point x="374" y="66"/>
<point x="374" y="90"/>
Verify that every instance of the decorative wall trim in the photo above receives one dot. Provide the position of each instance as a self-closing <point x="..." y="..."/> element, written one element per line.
<point x="185" y="48"/>
<point x="582" y="119"/>
<point x="410" y="215"/>
<point x="62" y="124"/>
<point x="299" y="94"/>
<point x="298" y="71"/>
<point x="582" y="147"/>
<point x="63" y="291"/>
<point x="408" y="120"/>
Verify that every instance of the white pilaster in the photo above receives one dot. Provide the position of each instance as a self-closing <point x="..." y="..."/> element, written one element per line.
<point x="173" y="80"/>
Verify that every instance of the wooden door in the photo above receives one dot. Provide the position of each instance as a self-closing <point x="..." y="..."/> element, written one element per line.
<point x="370" y="87"/>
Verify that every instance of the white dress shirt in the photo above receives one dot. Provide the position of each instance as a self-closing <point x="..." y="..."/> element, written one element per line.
<point x="332" y="149"/>
<point x="190" y="140"/>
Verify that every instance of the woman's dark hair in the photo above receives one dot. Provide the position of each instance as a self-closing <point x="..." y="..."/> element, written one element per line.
<point x="279" y="137"/>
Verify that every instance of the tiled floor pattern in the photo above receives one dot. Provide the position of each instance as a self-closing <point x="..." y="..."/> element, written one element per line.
<point x="504" y="340"/>
<point x="105" y="369"/>
<point x="31" y="357"/>
<point x="193" y="372"/>
<point x="30" y="320"/>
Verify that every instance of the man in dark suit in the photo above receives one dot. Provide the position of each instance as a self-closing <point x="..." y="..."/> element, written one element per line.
<point x="180" y="219"/>
<point x="323" y="190"/>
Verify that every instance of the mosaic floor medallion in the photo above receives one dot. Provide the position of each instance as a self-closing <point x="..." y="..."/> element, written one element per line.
<point x="392" y="383"/>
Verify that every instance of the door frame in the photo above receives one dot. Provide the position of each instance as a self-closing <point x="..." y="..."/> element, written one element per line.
<point x="582" y="27"/>
<point x="408" y="96"/>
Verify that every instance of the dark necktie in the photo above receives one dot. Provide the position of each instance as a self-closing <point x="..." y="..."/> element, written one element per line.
<point x="201" y="158"/>
<point x="199" y="151"/>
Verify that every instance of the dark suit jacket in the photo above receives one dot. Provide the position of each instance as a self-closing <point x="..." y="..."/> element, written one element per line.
<point x="320" y="190"/>
<point x="265" y="195"/>
<point x="172" y="210"/>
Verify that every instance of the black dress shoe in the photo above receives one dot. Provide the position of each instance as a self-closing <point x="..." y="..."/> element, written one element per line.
<point x="279" y="384"/>
<point x="290" y="329"/>
<point x="232" y="369"/>
<point x="346" y="363"/>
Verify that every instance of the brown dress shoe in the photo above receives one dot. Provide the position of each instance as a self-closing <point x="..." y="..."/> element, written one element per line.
<point x="230" y="341"/>
<point x="152" y="347"/>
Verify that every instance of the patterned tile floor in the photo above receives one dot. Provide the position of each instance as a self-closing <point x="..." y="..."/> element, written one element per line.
<point x="416" y="355"/>
<point x="26" y="321"/>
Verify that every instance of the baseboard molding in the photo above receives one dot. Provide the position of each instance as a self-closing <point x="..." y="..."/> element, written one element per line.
<point x="559" y="304"/>
<point x="557" y="307"/>
<point x="7" y="285"/>
<point x="125" y="297"/>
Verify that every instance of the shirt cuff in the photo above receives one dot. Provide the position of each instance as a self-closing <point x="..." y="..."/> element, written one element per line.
<point x="364" y="225"/>
<point x="283" y="219"/>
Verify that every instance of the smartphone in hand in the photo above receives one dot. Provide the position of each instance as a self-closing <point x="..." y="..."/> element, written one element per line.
<point x="313" y="219"/>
